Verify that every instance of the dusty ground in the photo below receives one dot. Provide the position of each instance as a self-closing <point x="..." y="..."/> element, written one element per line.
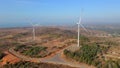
<point x="9" y="58"/>
<point x="45" y="37"/>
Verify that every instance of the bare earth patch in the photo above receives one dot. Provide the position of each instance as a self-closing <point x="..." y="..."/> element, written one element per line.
<point x="9" y="58"/>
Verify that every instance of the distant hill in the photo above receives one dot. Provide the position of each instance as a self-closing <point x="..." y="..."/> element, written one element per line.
<point x="111" y="28"/>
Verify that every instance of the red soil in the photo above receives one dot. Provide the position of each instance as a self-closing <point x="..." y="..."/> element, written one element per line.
<point x="9" y="58"/>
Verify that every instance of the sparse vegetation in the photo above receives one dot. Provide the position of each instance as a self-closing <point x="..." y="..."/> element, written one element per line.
<point x="19" y="47"/>
<point x="90" y="53"/>
<point x="1" y="55"/>
<point x="34" y="65"/>
<point x="86" y="54"/>
<point x="32" y="51"/>
<point x="19" y="35"/>
<point x="111" y="64"/>
<point x="83" y="40"/>
<point x="110" y="43"/>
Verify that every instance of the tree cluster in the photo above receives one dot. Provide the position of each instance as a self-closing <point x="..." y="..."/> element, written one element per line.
<point x="86" y="54"/>
<point x="111" y="64"/>
<point x="32" y="51"/>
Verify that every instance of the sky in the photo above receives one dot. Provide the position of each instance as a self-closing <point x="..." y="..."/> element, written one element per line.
<point x="15" y="13"/>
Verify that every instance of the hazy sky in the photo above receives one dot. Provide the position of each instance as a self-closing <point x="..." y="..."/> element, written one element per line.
<point x="53" y="12"/>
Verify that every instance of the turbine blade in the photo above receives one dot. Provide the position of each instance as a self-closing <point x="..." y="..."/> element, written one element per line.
<point x="81" y="14"/>
<point x="83" y="27"/>
<point x="80" y="20"/>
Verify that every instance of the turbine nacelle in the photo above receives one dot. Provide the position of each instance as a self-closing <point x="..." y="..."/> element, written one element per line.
<point x="78" y="23"/>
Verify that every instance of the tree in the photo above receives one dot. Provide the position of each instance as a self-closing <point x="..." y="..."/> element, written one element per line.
<point x="111" y="64"/>
<point x="2" y="55"/>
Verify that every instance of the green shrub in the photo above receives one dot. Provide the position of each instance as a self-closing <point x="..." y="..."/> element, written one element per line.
<point x="86" y="54"/>
<point x="111" y="64"/>
<point x="2" y="55"/>
<point x="18" y="47"/>
<point x="34" y="51"/>
<point x="111" y="43"/>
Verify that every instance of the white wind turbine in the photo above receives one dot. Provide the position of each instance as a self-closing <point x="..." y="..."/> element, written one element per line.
<point x="33" y="30"/>
<point x="79" y="24"/>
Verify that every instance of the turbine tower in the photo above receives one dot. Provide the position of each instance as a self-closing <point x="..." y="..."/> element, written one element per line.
<point x="79" y="32"/>
<point x="33" y="31"/>
<point x="79" y="24"/>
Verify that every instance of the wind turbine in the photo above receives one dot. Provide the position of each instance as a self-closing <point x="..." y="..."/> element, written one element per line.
<point x="79" y="24"/>
<point x="33" y="30"/>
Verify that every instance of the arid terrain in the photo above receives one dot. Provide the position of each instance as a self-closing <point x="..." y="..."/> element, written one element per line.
<point x="17" y="45"/>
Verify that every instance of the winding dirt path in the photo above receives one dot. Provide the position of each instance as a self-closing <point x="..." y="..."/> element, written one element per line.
<point x="56" y="58"/>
